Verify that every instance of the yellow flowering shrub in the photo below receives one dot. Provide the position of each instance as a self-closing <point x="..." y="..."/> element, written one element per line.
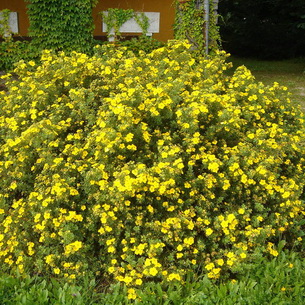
<point x="145" y="167"/>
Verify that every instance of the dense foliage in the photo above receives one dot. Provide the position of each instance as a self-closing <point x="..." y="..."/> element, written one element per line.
<point x="57" y="25"/>
<point x="139" y="168"/>
<point x="272" y="29"/>
<point x="61" y="25"/>
<point x="11" y="51"/>
<point x="190" y="24"/>
<point x="141" y="43"/>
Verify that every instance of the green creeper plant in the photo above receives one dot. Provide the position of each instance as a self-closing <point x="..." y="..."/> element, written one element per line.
<point x="12" y="51"/>
<point x="5" y="29"/>
<point x="143" y="21"/>
<point x="116" y="17"/>
<point x="6" y="44"/>
<point x="62" y="25"/>
<point x="190" y="24"/>
<point x="142" y="43"/>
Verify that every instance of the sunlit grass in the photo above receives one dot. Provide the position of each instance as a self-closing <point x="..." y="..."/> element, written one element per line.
<point x="290" y="73"/>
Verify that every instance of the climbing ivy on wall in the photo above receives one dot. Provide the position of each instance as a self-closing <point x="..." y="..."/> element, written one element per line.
<point x="62" y="24"/>
<point x="190" y="24"/>
<point x="5" y="30"/>
<point x="116" y="17"/>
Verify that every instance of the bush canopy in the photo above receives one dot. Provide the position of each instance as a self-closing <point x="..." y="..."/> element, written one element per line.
<point x="137" y="168"/>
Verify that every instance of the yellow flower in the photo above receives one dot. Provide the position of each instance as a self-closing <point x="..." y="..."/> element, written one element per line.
<point x="243" y="255"/>
<point x="241" y="211"/>
<point x="230" y="262"/>
<point x="111" y="249"/>
<point x="111" y="269"/>
<point x="230" y="255"/>
<point x="174" y="276"/>
<point x="73" y="247"/>
<point x="13" y="185"/>
<point x="224" y="224"/>
<point x="180" y="248"/>
<point x="226" y="184"/>
<point x="127" y="279"/>
<point x="153" y="271"/>
<point x="208" y="231"/>
<point x="273" y="252"/>
<point x="188" y="241"/>
<point x="179" y="255"/>
<point x="131" y="294"/>
<point x="110" y="241"/>
<point x="213" y="167"/>
<point x="150" y="208"/>
<point x="49" y="259"/>
<point x="129" y="137"/>
<point x="209" y="266"/>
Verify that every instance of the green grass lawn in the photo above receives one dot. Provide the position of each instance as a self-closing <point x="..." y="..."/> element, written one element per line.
<point x="289" y="73"/>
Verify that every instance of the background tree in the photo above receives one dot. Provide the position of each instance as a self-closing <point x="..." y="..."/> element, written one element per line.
<point x="272" y="29"/>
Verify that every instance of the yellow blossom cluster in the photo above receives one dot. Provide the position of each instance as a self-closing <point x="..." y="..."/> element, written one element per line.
<point x="144" y="167"/>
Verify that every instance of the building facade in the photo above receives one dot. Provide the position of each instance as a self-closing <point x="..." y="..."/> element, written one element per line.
<point x="166" y="8"/>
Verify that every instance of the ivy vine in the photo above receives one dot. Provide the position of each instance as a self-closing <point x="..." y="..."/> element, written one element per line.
<point x="190" y="24"/>
<point x="116" y="17"/>
<point x="143" y="21"/>
<point x="5" y="29"/>
<point x="62" y="25"/>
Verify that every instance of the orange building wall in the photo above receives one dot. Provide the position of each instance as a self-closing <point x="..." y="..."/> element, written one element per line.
<point x="165" y="7"/>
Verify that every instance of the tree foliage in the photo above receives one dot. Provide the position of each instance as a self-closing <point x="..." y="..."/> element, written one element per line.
<point x="263" y="28"/>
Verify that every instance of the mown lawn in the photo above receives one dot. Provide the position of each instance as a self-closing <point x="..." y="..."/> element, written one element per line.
<point x="289" y="73"/>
